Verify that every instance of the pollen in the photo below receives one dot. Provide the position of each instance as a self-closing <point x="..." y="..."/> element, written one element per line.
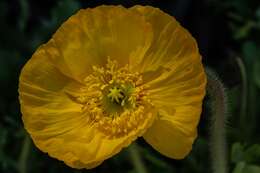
<point x="113" y="99"/>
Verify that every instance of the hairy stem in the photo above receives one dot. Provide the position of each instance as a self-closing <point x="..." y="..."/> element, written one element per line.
<point x="218" y="148"/>
<point x="136" y="159"/>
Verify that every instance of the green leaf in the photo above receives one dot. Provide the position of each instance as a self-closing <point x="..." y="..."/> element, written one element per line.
<point x="250" y="52"/>
<point x="244" y="31"/>
<point x="240" y="154"/>
<point x="252" y="169"/>
<point x="257" y="13"/>
<point x="233" y="98"/>
<point x="242" y="167"/>
<point x="3" y="9"/>
<point x="24" y="14"/>
<point x="63" y="10"/>
<point x="252" y="154"/>
<point x="239" y="167"/>
<point x="237" y="153"/>
<point x="251" y="56"/>
<point x="256" y="72"/>
<point x="150" y="157"/>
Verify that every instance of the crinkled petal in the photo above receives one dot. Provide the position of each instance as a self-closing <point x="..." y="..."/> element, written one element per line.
<point x="55" y="72"/>
<point x="173" y="70"/>
<point x="171" y="44"/>
<point x="56" y="122"/>
<point x="40" y="81"/>
<point x="174" y="74"/>
<point x="92" y="36"/>
<point x="167" y="138"/>
<point x="83" y="146"/>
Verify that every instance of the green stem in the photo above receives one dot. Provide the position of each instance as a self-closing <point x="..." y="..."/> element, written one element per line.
<point x="136" y="159"/>
<point x="218" y="106"/>
<point x="24" y="6"/>
<point x="251" y="117"/>
<point x="244" y="92"/>
<point x="22" y="162"/>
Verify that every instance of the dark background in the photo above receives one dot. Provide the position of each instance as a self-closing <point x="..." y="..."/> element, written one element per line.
<point x="228" y="35"/>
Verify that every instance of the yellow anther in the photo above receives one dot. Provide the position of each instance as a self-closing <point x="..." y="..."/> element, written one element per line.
<point x="113" y="99"/>
<point x="123" y="103"/>
<point x="103" y="87"/>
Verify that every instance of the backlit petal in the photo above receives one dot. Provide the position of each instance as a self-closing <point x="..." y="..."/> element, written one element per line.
<point x="171" y="44"/>
<point x="143" y="52"/>
<point x="92" y="36"/>
<point x="173" y="70"/>
<point x="74" y="140"/>
<point x="56" y="122"/>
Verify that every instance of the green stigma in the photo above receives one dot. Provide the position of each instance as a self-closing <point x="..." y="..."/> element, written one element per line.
<point x="118" y="98"/>
<point x="115" y="94"/>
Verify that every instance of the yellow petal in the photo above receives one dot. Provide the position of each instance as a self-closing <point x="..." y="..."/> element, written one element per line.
<point x="40" y="80"/>
<point x="75" y="141"/>
<point x="145" y="38"/>
<point x="56" y="122"/>
<point x="173" y="70"/>
<point x="179" y="114"/>
<point x="171" y="43"/>
<point x="92" y="36"/>
<point x="53" y="119"/>
<point x="169" y="140"/>
<point x="174" y="131"/>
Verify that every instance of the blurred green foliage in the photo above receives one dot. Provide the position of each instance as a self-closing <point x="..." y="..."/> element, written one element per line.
<point x="26" y="24"/>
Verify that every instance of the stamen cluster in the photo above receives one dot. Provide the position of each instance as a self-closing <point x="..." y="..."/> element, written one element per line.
<point x="114" y="99"/>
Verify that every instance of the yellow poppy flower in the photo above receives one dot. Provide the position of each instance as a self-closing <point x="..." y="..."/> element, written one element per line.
<point x="109" y="75"/>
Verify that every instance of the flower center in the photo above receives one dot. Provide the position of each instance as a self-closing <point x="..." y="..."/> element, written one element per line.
<point x="118" y="98"/>
<point x="113" y="99"/>
<point x="116" y="95"/>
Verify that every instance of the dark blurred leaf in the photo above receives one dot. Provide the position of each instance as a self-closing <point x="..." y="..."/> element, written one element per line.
<point x="24" y="14"/>
<point x="256" y="72"/>
<point x="4" y="71"/>
<point x="252" y="169"/>
<point x="240" y="6"/>
<point x="64" y="10"/>
<point x="155" y="160"/>
<point x="257" y="13"/>
<point x="244" y="31"/>
<point x="242" y="167"/>
<point x="239" y="167"/>
<point x="3" y="140"/>
<point x="252" y="154"/>
<point x="233" y="98"/>
<point x="59" y="14"/>
<point x="250" y="52"/>
<point x="197" y="160"/>
<point x="251" y="56"/>
<point x="237" y="153"/>
<point x="3" y="9"/>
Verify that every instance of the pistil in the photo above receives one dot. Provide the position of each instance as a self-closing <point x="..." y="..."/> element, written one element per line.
<point x="116" y="94"/>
